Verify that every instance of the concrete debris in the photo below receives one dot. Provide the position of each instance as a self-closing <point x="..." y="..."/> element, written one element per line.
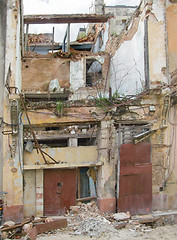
<point x="9" y="224"/>
<point x="95" y="227"/>
<point x="27" y="228"/>
<point x="74" y="209"/>
<point x="120" y="225"/>
<point x="48" y="220"/>
<point x="122" y="216"/>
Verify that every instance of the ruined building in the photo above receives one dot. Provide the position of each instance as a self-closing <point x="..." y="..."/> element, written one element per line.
<point x="93" y="119"/>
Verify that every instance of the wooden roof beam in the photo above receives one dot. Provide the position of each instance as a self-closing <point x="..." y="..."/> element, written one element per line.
<point x="65" y="18"/>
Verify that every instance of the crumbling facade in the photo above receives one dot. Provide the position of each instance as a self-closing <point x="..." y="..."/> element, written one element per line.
<point x="91" y="119"/>
<point x="11" y="141"/>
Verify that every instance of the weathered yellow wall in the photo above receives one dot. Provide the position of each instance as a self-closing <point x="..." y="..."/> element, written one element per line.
<point x="172" y="36"/>
<point x="30" y="193"/>
<point x="157" y="51"/>
<point x="12" y="171"/>
<point x="82" y="154"/>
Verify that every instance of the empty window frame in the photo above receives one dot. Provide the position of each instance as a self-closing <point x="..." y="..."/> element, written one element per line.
<point x="86" y="141"/>
<point x="93" y="72"/>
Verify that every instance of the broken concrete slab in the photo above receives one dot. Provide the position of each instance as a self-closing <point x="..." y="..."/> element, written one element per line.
<point x="122" y="216"/>
<point x="120" y="225"/>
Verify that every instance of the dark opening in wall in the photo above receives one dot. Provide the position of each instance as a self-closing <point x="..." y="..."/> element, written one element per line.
<point x="54" y="143"/>
<point x="52" y="128"/>
<point x="86" y="141"/>
<point x="86" y="184"/>
<point x="93" y="72"/>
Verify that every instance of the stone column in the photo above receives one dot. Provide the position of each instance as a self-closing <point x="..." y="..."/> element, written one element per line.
<point x="106" y="173"/>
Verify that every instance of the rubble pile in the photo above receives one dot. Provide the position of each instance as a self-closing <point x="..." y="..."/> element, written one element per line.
<point x="89" y="38"/>
<point x="40" y="38"/>
<point x="95" y="227"/>
<point x="86" y="219"/>
<point x="12" y="230"/>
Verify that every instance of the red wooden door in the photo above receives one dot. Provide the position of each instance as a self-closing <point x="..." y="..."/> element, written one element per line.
<point x="59" y="191"/>
<point x="135" y="183"/>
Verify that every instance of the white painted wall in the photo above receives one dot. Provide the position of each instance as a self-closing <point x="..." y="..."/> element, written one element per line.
<point x="127" y="66"/>
<point x="77" y="74"/>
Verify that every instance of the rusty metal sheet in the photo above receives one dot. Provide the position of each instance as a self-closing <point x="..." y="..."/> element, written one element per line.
<point x="131" y="154"/>
<point x="136" y="169"/>
<point x="135" y="182"/>
<point x="135" y="204"/>
<point x="59" y="190"/>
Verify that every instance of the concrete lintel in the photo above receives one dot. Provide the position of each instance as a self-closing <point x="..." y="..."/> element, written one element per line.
<point x="66" y="18"/>
<point x="59" y="166"/>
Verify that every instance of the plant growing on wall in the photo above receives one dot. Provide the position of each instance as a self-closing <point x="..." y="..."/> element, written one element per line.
<point x="60" y="107"/>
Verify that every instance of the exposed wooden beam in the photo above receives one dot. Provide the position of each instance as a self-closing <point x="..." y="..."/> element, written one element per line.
<point x="62" y="165"/>
<point x="68" y="122"/>
<point x="66" y="18"/>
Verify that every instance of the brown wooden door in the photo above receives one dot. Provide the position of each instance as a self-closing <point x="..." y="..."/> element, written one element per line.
<point x="135" y="183"/>
<point x="59" y="191"/>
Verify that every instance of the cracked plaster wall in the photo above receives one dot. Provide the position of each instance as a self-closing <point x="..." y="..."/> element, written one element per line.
<point x="2" y="77"/>
<point x="12" y="156"/>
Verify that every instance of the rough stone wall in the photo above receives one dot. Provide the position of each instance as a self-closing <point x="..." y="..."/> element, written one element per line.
<point x="121" y="16"/>
<point x="107" y="154"/>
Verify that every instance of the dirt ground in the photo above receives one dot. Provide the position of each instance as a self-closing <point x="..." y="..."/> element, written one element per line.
<point x="164" y="232"/>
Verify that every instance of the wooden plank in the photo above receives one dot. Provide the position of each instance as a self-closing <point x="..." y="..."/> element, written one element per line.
<point x="66" y="18"/>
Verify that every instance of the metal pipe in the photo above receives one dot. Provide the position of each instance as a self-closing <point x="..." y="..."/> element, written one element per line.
<point x="68" y="35"/>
